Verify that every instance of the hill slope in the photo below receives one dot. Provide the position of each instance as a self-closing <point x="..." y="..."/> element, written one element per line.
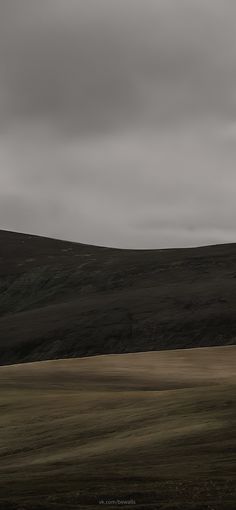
<point x="60" y="299"/>
<point x="156" y="428"/>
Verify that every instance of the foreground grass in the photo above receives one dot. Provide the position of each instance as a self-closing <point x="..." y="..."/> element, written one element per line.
<point x="75" y="433"/>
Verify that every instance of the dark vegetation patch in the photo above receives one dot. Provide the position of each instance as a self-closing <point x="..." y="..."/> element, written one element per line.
<point x="62" y="299"/>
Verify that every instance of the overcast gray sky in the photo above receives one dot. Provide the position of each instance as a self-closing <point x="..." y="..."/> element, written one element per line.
<point x="118" y="120"/>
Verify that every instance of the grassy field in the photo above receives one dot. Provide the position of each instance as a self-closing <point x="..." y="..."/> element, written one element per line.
<point x="154" y="430"/>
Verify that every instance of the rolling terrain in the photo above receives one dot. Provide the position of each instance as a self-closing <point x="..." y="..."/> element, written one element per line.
<point x="157" y="429"/>
<point x="115" y="422"/>
<point x="60" y="299"/>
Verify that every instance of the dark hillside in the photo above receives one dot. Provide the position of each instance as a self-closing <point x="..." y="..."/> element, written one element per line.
<point x="63" y="299"/>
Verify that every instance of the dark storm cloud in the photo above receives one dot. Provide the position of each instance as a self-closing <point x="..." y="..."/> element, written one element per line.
<point x="118" y="119"/>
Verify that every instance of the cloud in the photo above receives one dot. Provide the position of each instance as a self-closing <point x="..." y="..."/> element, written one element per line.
<point x="118" y="120"/>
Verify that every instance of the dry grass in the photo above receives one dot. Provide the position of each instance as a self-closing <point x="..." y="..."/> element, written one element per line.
<point x="158" y="428"/>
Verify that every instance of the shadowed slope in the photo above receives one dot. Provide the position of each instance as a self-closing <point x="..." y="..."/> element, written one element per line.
<point x="61" y="299"/>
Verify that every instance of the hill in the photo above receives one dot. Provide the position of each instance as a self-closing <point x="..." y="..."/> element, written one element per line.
<point x="154" y="428"/>
<point x="60" y="299"/>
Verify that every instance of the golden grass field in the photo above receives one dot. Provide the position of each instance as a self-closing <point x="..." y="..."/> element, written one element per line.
<point x="154" y="430"/>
